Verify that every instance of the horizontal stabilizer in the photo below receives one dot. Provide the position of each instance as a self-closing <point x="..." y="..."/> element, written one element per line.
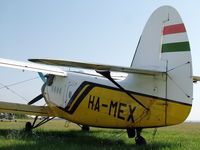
<point x="93" y="66"/>
<point x="31" y="67"/>
<point x="6" y="107"/>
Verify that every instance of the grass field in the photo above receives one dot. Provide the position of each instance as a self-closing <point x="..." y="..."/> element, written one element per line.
<point x="57" y="134"/>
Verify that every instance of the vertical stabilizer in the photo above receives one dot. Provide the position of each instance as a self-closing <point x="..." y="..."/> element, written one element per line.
<point x="164" y="46"/>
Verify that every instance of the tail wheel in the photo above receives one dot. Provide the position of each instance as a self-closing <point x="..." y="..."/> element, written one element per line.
<point x="85" y="128"/>
<point x="140" y="140"/>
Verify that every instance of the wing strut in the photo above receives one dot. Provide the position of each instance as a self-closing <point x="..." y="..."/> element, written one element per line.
<point x="108" y="76"/>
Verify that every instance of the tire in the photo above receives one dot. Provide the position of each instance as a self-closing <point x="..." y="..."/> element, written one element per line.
<point x="140" y="140"/>
<point x="85" y="128"/>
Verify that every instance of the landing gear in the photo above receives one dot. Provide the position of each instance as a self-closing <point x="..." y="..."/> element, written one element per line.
<point x="139" y="140"/>
<point x="85" y="128"/>
<point x="29" y="126"/>
<point x="131" y="132"/>
<point x="136" y="133"/>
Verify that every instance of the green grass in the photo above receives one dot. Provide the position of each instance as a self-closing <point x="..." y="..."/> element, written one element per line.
<point x="55" y="135"/>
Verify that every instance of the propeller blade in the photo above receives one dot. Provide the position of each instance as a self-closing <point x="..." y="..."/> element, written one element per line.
<point x="35" y="99"/>
<point x="42" y="77"/>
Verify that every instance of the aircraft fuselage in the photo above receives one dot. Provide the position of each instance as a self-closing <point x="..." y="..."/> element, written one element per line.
<point x="94" y="101"/>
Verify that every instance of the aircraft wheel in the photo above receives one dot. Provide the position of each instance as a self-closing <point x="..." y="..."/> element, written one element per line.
<point x="85" y="128"/>
<point x="139" y="140"/>
<point x="28" y="126"/>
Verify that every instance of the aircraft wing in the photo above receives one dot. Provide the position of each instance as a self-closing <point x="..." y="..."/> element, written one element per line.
<point x="31" y="67"/>
<point x="93" y="66"/>
<point x="196" y="78"/>
<point x="25" y="109"/>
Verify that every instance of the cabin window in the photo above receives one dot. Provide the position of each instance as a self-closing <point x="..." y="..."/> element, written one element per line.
<point x="70" y="94"/>
<point x="60" y="91"/>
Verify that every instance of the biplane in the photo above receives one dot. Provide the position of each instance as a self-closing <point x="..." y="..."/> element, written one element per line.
<point x="157" y="92"/>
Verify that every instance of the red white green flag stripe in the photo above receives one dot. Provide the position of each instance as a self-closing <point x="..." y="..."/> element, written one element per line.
<point x="175" y="39"/>
<point x="173" y="29"/>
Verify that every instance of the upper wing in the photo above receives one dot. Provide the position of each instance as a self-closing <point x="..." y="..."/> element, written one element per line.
<point x="196" y="78"/>
<point x="31" y="67"/>
<point x="93" y="66"/>
<point x="25" y="109"/>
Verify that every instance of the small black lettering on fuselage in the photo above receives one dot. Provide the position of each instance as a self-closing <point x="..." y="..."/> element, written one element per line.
<point x="114" y="108"/>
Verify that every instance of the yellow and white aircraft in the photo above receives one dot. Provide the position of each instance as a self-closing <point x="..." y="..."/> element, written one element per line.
<point x="157" y="92"/>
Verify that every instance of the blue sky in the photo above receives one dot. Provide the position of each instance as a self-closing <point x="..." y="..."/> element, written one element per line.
<point x="98" y="31"/>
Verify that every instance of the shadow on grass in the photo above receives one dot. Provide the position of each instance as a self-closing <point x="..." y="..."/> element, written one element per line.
<point x="71" y="140"/>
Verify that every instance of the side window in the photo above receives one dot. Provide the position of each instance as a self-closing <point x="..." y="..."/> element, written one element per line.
<point x="70" y="94"/>
<point x="70" y="89"/>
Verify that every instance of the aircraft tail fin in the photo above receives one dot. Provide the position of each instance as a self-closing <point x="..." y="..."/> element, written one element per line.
<point x="164" y="47"/>
<point x="163" y="34"/>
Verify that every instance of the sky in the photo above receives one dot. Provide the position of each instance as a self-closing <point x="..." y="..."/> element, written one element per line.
<point x="97" y="31"/>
